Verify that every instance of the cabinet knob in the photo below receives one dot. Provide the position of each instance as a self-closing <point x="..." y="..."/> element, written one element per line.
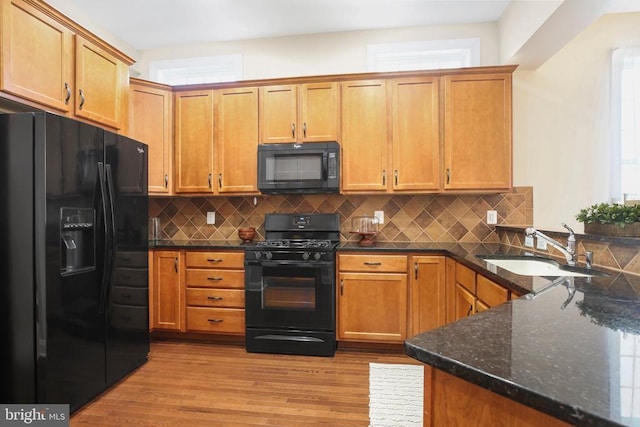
<point x="209" y="180"/>
<point x="293" y="130"/>
<point x="219" y="180"/>
<point x="395" y="176"/>
<point x="166" y="180"/>
<point x="304" y="129"/>
<point x="215" y="298"/>
<point x="448" y="175"/>
<point x="384" y="177"/>
<point x="216" y="320"/>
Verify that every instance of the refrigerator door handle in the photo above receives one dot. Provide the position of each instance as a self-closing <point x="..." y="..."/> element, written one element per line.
<point x="106" y="275"/>
<point x="111" y="253"/>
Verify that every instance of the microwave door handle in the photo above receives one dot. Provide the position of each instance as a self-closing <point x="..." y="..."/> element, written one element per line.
<point x="325" y="166"/>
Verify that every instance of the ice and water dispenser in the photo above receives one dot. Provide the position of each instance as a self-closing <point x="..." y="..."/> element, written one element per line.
<point x="77" y="239"/>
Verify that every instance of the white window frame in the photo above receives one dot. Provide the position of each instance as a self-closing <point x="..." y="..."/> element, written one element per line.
<point x="200" y="70"/>
<point x="625" y="123"/>
<point x="423" y="55"/>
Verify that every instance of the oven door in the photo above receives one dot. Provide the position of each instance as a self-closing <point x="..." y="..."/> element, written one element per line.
<point x="290" y="294"/>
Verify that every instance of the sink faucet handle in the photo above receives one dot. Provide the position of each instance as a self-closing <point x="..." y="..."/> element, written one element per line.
<point x="571" y="233"/>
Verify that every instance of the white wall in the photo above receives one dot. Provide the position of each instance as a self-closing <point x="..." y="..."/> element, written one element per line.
<point x="320" y="54"/>
<point x="561" y="122"/>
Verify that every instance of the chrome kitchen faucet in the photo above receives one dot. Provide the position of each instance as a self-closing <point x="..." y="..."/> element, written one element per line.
<point x="569" y="251"/>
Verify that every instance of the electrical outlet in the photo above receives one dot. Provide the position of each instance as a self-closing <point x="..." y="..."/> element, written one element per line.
<point x="211" y="217"/>
<point x="528" y="241"/>
<point x="541" y="244"/>
<point x="492" y="217"/>
<point x="380" y="216"/>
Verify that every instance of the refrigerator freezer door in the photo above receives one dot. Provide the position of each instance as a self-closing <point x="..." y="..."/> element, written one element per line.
<point x="72" y="367"/>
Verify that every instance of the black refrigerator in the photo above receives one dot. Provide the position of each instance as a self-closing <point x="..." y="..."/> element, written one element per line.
<point x="74" y="252"/>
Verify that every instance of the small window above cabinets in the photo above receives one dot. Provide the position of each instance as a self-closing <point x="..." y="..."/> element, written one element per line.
<point x="299" y="113"/>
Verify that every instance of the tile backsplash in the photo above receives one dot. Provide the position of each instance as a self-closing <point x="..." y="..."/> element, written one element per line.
<point x="408" y="218"/>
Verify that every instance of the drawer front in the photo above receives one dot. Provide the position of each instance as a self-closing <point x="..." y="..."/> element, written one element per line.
<point x="490" y="292"/>
<point x="131" y="277"/>
<point x="466" y="277"/>
<point x="230" y="298"/>
<point x="386" y="263"/>
<point x="129" y="318"/>
<point x="215" y="259"/>
<point x="131" y="259"/>
<point x="129" y="296"/>
<point x="222" y="320"/>
<point x="215" y="278"/>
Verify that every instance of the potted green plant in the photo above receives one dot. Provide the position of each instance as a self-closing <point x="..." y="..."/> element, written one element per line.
<point x="611" y="219"/>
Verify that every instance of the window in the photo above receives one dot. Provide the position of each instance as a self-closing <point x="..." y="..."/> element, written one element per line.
<point x="625" y="119"/>
<point x="210" y="69"/>
<point x="423" y="55"/>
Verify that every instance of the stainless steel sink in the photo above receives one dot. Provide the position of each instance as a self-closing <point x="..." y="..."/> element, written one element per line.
<point x="537" y="266"/>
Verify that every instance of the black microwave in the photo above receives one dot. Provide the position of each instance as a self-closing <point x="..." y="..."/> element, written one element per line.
<point x="312" y="167"/>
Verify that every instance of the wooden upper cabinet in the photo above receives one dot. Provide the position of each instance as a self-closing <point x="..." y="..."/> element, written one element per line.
<point x="477" y="131"/>
<point x="278" y="113"/>
<point x="236" y="143"/>
<point x="318" y="112"/>
<point x="151" y="122"/>
<point x="102" y="82"/>
<point x="416" y="134"/>
<point x="194" y="142"/>
<point x="364" y="136"/>
<point x="299" y="113"/>
<point x="36" y="56"/>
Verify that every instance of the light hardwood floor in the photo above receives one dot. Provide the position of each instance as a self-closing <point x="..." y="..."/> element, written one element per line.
<point x="203" y="384"/>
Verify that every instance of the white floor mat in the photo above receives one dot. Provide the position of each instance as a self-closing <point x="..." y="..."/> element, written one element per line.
<point x="395" y="395"/>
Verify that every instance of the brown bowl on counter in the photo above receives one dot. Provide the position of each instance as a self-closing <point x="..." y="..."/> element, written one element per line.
<point x="246" y="234"/>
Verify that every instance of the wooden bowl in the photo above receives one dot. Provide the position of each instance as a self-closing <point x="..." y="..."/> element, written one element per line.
<point x="246" y="234"/>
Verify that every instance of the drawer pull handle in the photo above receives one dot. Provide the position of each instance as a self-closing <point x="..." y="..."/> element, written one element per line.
<point x="215" y="298"/>
<point x="214" y="260"/>
<point x="214" y="278"/>
<point x="372" y="263"/>
<point x="216" y="320"/>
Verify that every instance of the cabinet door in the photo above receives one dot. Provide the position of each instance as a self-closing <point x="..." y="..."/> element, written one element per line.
<point x="168" y="296"/>
<point x="102" y="83"/>
<point x="278" y="113"/>
<point x="372" y="307"/>
<point x="427" y="294"/>
<point x="450" y="290"/>
<point x="364" y="136"/>
<point x="465" y="302"/>
<point x="36" y="56"/>
<point x="151" y="122"/>
<point x="416" y="134"/>
<point x="477" y="131"/>
<point x="194" y="142"/>
<point x="319" y="112"/>
<point x="236" y="144"/>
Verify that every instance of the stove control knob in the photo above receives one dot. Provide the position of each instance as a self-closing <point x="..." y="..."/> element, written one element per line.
<point x="305" y="255"/>
<point x="317" y="256"/>
<point x="258" y="255"/>
<point x="269" y="255"/>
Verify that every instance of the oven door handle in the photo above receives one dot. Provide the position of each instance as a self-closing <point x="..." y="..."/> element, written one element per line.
<point x="290" y="263"/>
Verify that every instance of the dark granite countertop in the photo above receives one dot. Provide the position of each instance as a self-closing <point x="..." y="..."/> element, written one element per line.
<point x="568" y="352"/>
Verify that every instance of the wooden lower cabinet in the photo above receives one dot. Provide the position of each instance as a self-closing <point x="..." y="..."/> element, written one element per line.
<point x="214" y="284"/>
<point x="427" y="294"/>
<point x="167" y="292"/>
<point x="451" y="401"/>
<point x="372" y="298"/>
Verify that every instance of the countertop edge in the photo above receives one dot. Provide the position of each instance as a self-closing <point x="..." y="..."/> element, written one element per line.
<point x="502" y="387"/>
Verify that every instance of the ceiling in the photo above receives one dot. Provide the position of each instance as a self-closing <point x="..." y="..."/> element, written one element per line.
<point x="148" y="24"/>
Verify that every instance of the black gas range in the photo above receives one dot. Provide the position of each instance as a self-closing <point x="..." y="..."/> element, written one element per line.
<point x="290" y="285"/>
